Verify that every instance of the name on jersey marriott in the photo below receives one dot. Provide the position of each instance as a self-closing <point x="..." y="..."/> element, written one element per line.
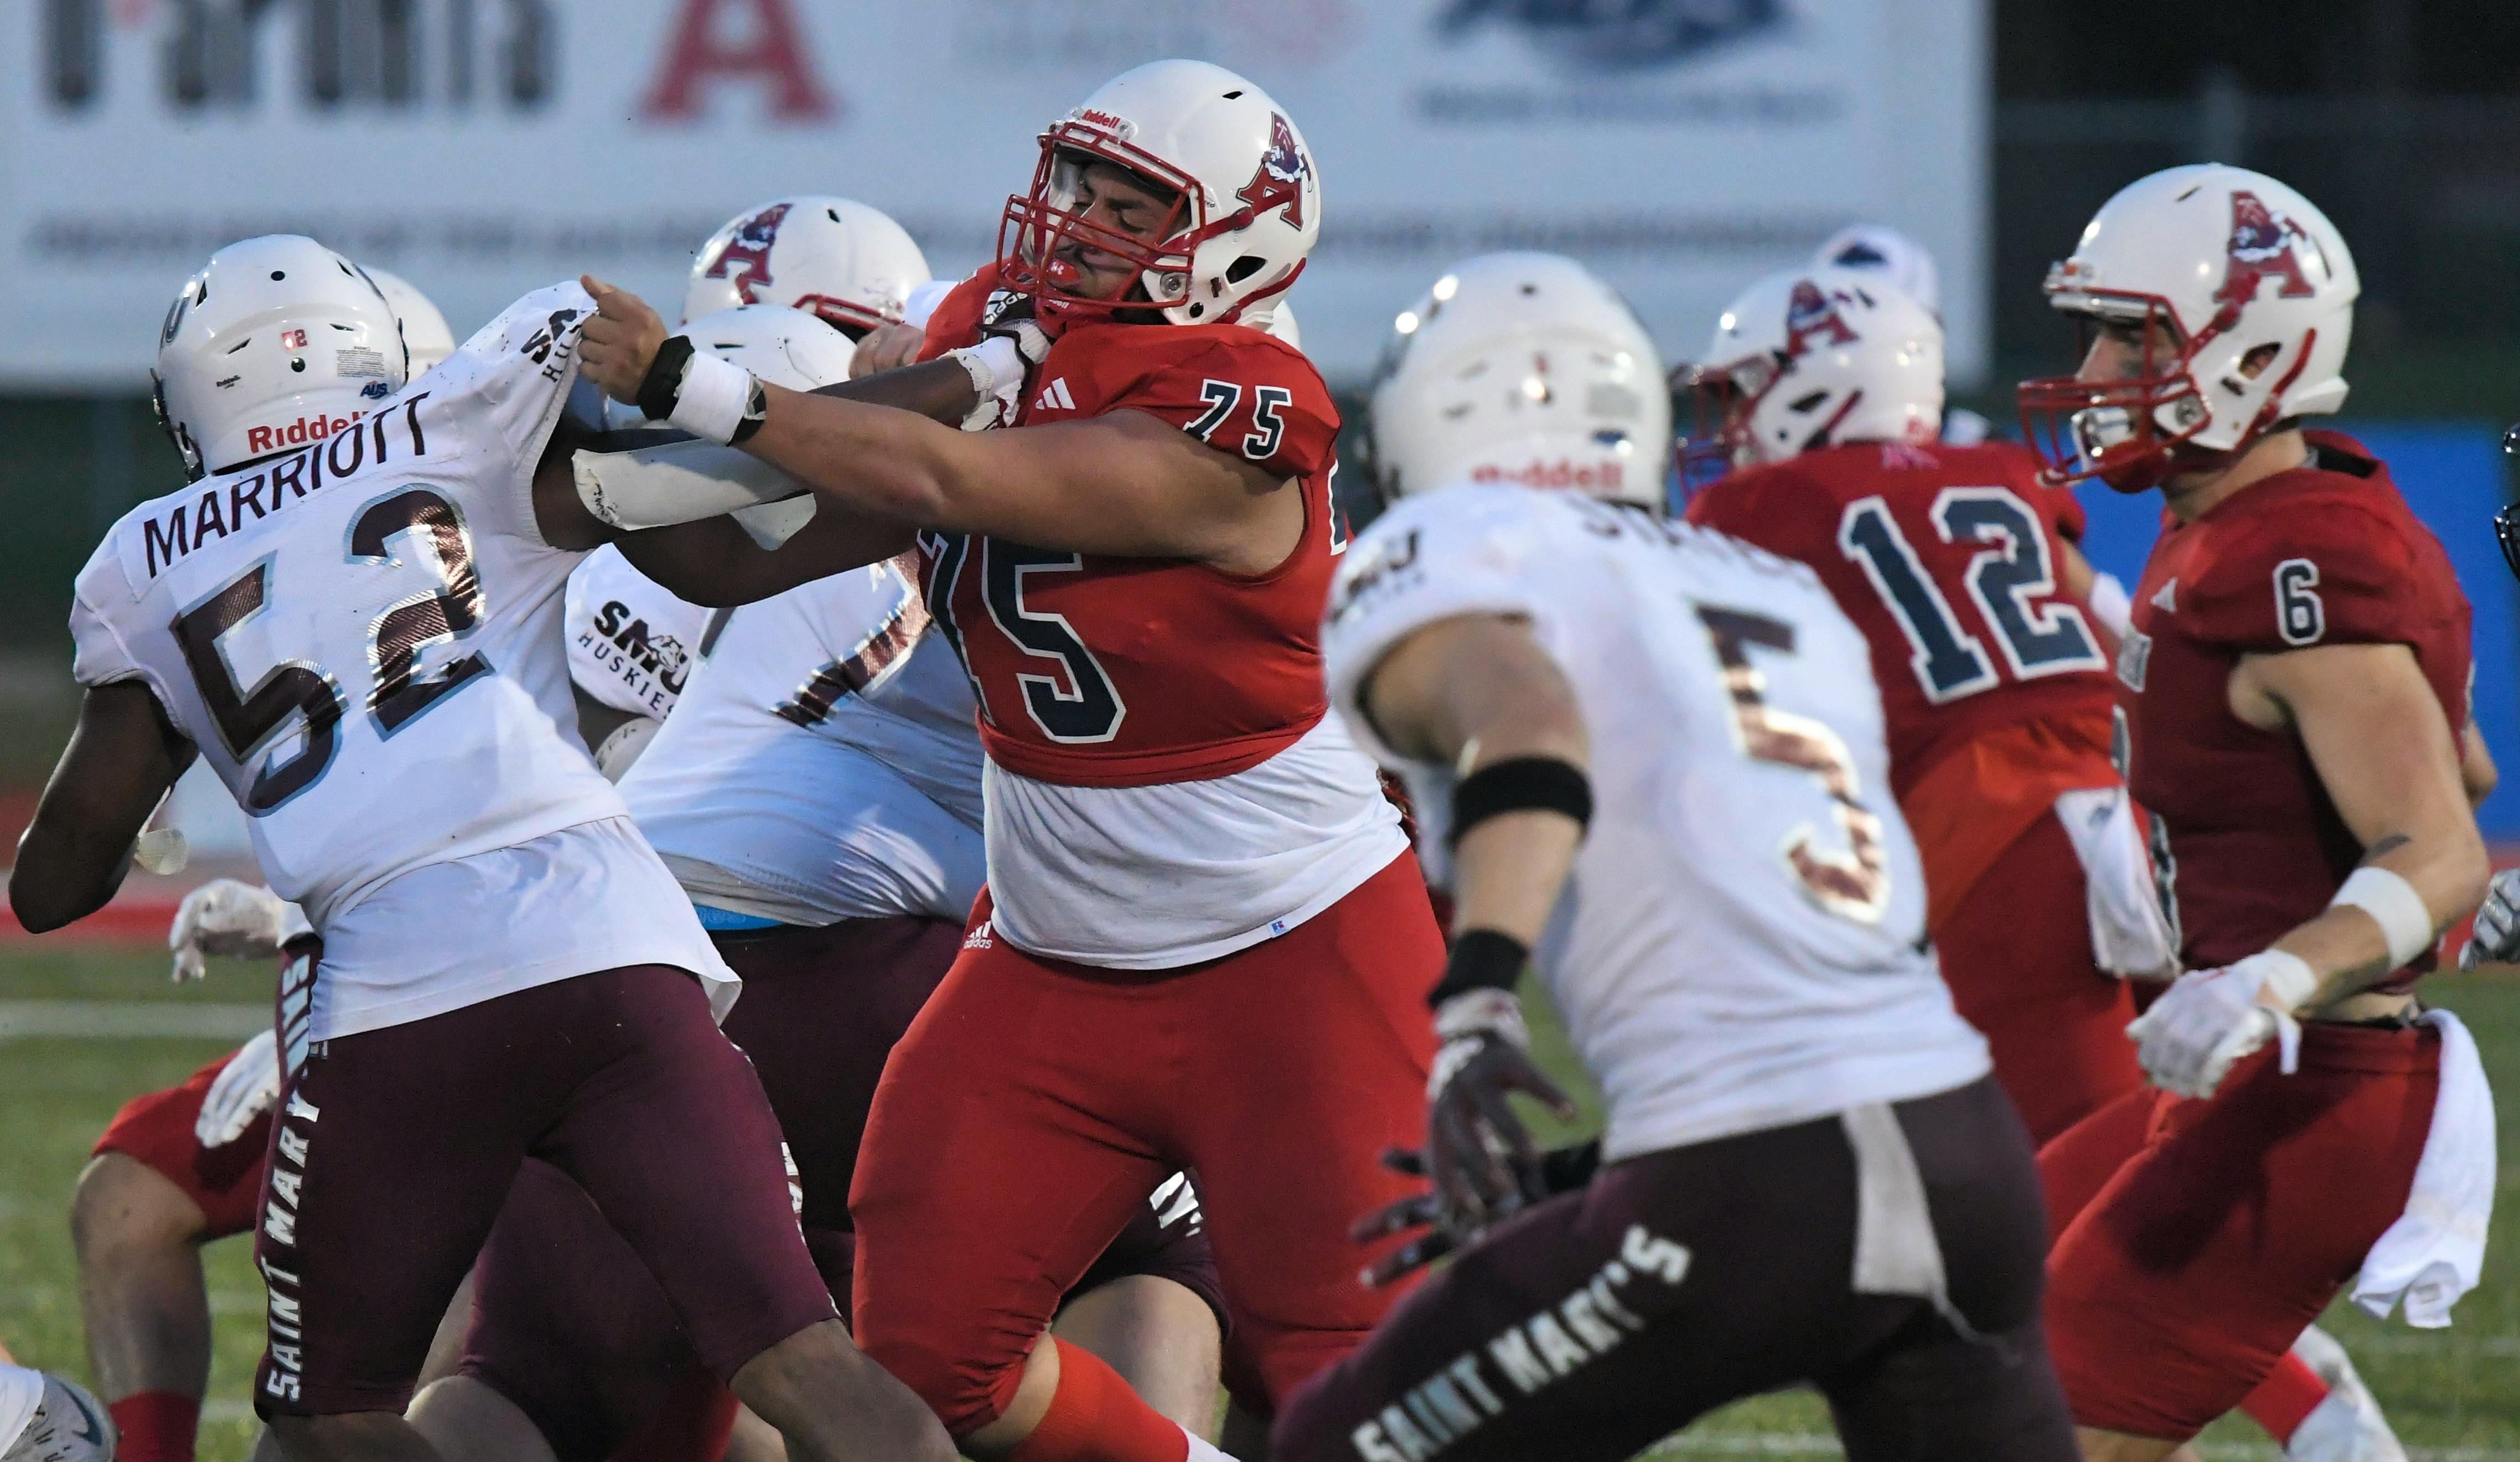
<point x="228" y="505"/>
<point x="1527" y="1357"/>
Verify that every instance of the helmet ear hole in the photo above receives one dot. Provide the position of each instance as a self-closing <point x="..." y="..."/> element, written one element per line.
<point x="1244" y="267"/>
<point x="1806" y="403"/>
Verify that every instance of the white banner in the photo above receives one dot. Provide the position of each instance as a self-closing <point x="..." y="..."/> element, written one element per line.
<point x="483" y="148"/>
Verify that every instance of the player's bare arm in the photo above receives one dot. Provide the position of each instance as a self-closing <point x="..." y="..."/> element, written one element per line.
<point x="121" y="760"/>
<point x="1125" y="483"/>
<point x="2476" y="769"/>
<point x="2386" y="756"/>
<point x="1478" y="692"/>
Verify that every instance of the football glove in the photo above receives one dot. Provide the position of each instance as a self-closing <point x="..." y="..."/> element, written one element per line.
<point x="233" y="920"/>
<point x="2495" y="939"/>
<point x="1478" y="1154"/>
<point x="2210" y="1018"/>
<point x="1562" y="1169"/>
<point x="242" y="1091"/>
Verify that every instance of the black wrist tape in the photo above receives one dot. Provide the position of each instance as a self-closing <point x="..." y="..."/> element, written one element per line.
<point x="662" y="385"/>
<point x="1521" y="784"/>
<point x="1481" y="959"/>
<point x="756" y="410"/>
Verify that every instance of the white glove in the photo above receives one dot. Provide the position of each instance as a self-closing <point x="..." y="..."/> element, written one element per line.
<point x="233" y="920"/>
<point x="1000" y="365"/>
<point x="2495" y="939"/>
<point x="2210" y="1018"/>
<point x="242" y="1091"/>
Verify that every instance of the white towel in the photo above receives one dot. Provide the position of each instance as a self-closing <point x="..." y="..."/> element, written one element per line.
<point x="2131" y="934"/>
<point x="2433" y="1253"/>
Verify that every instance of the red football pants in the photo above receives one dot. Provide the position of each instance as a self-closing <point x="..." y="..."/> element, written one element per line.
<point x="2190" y="1271"/>
<point x="2017" y="953"/>
<point x="1034" y="1104"/>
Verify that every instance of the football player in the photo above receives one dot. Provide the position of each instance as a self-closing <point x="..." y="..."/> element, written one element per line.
<point x="816" y="787"/>
<point x="1653" y="755"/>
<point x="350" y="614"/>
<point x="2295" y="685"/>
<point x="1958" y="566"/>
<point x="183" y="1166"/>
<point x="1188" y="861"/>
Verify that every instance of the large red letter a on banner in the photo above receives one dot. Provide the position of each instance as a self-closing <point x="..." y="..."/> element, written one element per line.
<point x="773" y="52"/>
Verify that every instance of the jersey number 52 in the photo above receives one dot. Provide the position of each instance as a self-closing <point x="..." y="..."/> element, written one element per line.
<point x="252" y="719"/>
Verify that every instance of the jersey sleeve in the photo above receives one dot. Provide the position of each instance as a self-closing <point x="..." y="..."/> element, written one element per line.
<point x="500" y="396"/>
<point x="2312" y="573"/>
<point x="99" y="600"/>
<point x="956" y="320"/>
<point x="1244" y="392"/>
<point x="1461" y="551"/>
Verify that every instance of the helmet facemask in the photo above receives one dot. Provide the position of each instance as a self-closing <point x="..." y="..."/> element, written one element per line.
<point x="2129" y="432"/>
<point x="1037" y="224"/>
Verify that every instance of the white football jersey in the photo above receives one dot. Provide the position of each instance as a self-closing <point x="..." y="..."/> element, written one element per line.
<point x="822" y="763"/>
<point x="631" y="642"/>
<point x="362" y="639"/>
<point x="1742" y="942"/>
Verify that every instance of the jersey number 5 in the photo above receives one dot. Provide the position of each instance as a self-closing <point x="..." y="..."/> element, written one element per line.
<point x="250" y="721"/>
<point x="1854" y="884"/>
<point x="2009" y="579"/>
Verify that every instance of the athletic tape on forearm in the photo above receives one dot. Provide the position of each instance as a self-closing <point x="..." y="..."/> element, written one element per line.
<point x="680" y="482"/>
<point x="997" y="370"/>
<point x="2394" y="904"/>
<point x="713" y="398"/>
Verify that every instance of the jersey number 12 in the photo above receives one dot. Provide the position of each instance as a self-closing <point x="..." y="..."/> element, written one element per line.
<point x="2009" y="578"/>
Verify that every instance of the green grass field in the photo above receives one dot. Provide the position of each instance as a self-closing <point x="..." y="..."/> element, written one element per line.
<point x="2453" y="1394"/>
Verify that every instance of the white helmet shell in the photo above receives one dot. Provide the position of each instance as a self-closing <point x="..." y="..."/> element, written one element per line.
<point x="1250" y="195"/>
<point x="65" y="1424"/>
<point x="1879" y="248"/>
<point x="278" y="341"/>
<point x="425" y="334"/>
<point x="843" y="260"/>
<point x="1810" y="357"/>
<point x="784" y="347"/>
<point x="2258" y="284"/>
<point x="1521" y="368"/>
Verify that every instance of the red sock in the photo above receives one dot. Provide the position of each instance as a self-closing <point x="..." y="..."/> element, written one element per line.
<point x="156" y="1425"/>
<point x="1094" y="1417"/>
<point x="2291" y="1392"/>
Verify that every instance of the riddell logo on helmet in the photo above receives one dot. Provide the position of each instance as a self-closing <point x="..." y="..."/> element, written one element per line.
<point x="2262" y="247"/>
<point x="1810" y="314"/>
<point x="746" y="257"/>
<point x="1585" y="477"/>
<point x="261" y="439"/>
<point x="1279" y="178"/>
<point x="1118" y="127"/>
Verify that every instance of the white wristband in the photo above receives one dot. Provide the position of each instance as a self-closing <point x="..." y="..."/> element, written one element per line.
<point x="995" y="366"/>
<point x="2394" y="904"/>
<point x="2287" y="975"/>
<point x="713" y="398"/>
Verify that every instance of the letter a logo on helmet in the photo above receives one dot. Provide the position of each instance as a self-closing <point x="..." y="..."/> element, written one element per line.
<point x="2262" y="247"/>
<point x="746" y="256"/>
<point x="1279" y="177"/>
<point x="1810" y="314"/>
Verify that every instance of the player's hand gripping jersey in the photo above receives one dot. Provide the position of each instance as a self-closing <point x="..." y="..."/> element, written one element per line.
<point x="2325" y="554"/>
<point x="362" y="638"/>
<point x="1165" y="785"/>
<point x="1742" y="945"/>
<point x="821" y="764"/>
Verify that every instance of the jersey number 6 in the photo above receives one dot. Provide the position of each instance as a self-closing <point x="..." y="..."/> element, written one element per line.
<point x="1854" y="884"/>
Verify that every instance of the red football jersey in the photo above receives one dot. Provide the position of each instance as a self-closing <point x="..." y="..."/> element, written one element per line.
<point x="1946" y="558"/>
<point x="1093" y="670"/>
<point x="2327" y="554"/>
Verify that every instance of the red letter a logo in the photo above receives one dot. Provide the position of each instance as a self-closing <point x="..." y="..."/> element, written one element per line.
<point x="773" y="49"/>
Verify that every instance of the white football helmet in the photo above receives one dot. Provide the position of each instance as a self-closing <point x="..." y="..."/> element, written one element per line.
<point x="784" y="347"/>
<point x="2245" y="296"/>
<point x="278" y="341"/>
<point x="1812" y="357"/>
<point x="426" y="335"/>
<point x="1248" y="202"/>
<point x="1521" y="368"/>
<point x="845" y="261"/>
<point x="1875" y="246"/>
<point x="44" y="1418"/>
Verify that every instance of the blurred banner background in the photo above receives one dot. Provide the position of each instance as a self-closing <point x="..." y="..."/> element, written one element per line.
<point x="483" y="147"/>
